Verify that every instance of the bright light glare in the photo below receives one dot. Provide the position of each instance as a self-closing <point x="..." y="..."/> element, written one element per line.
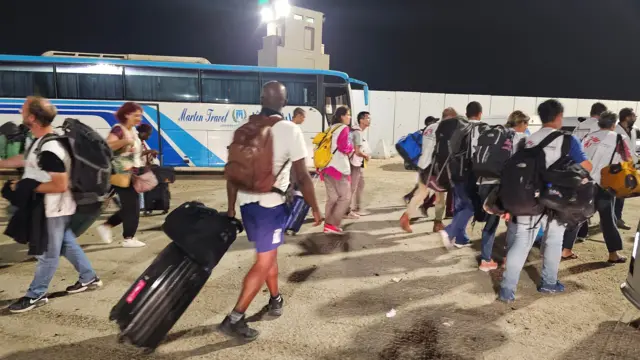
<point x="282" y="8"/>
<point x="267" y="14"/>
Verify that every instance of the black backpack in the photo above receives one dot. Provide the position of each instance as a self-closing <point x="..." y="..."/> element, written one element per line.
<point x="452" y="155"/>
<point x="522" y="180"/>
<point x="91" y="161"/>
<point x="495" y="146"/>
<point x="570" y="192"/>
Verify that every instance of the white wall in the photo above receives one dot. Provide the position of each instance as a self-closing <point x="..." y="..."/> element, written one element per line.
<point x="395" y="114"/>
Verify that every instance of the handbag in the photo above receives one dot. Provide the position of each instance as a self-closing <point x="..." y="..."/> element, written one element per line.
<point x="145" y="182"/>
<point x="622" y="179"/>
<point x="121" y="180"/>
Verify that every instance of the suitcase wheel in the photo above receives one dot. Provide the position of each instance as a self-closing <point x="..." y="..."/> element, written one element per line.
<point x="120" y="339"/>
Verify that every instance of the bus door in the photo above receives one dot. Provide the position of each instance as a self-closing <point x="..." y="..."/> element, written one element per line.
<point x="335" y="95"/>
<point x="152" y="117"/>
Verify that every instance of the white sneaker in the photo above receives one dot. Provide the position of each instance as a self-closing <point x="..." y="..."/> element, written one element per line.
<point x="133" y="243"/>
<point x="104" y="232"/>
<point x="446" y="242"/>
<point x="353" y="216"/>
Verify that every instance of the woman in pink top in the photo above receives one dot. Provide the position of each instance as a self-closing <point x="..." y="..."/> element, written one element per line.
<point x="337" y="175"/>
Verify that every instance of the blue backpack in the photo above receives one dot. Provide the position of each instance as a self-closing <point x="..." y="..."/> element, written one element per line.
<point x="410" y="148"/>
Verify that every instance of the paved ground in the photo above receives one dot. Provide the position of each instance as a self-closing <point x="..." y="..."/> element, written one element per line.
<point x="337" y="291"/>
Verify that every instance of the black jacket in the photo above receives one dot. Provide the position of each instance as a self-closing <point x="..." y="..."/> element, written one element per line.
<point x="29" y="224"/>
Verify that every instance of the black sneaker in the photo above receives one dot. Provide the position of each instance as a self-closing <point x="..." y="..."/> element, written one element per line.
<point x="79" y="287"/>
<point x="622" y="225"/>
<point x="26" y="303"/>
<point x="274" y="308"/>
<point x="238" y="330"/>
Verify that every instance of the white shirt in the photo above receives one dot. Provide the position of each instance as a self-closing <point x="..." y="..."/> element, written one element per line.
<point x="364" y="145"/>
<point x="288" y="144"/>
<point x="553" y="151"/>
<point x="599" y="146"/>
<point x="428" y="145"/>
<point x="55" y="204"/>
<point x="630" y="139"/>
<point x="137" y="148"/>
<point x="584" y="128"/>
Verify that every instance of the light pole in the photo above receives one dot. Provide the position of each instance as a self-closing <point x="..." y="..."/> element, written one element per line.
<point x="271" y="10"/>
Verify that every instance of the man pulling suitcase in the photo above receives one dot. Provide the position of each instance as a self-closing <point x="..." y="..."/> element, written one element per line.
<point x="259" y="183"/>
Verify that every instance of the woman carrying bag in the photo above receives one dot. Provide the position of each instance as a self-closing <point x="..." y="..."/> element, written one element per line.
<point x="127" y="148"/>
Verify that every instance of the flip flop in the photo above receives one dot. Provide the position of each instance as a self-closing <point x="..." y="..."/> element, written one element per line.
<point x="570" y="257"/>
<point x="620" y="260"/>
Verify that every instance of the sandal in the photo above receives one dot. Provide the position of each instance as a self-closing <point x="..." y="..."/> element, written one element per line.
<point x="620" y="260"/>
<point x="570" y="257"/>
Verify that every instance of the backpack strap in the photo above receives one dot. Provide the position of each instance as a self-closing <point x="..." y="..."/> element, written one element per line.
<point x="550" y="138"/>
<point x="615" y="148"/>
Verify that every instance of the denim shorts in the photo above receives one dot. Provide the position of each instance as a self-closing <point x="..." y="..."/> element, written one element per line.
<point x="264" y="226"/>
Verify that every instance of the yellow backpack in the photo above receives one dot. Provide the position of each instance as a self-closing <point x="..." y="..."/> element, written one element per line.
<point x="322" y="154"/>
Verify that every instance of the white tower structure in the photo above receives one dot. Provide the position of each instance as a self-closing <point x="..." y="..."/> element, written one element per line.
<point x="294" y="37"/>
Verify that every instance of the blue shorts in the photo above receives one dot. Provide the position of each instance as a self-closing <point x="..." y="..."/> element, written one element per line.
<point x="264" y="226"/>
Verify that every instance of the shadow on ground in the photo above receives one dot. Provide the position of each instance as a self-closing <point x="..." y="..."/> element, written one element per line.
<point x="612" y="340"/>
<point x="106" y="348"/>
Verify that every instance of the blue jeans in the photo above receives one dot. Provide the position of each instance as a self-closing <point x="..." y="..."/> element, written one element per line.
<point x="61" y="241"/>
<point x="462" y="213"/>
<point x="490" y="225"/>
<point x="521" y="233"/>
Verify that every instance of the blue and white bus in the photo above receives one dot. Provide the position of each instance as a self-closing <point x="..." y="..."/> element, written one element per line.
<point x="194" y="107"/>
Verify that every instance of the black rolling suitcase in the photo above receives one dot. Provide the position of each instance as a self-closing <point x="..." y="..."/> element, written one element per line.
<point x="157" y="299"/>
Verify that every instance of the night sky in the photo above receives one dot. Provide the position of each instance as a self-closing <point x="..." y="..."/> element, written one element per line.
<point x="560" y="48"/>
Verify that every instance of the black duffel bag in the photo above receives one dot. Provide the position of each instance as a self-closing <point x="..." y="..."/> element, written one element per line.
<point x="203" y="233"/>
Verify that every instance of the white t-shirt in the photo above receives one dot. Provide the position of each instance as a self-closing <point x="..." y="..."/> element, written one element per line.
<point x="428" y="145"/>
<point x="137" y="149"/>
<point x="55" y="204"/>
<point x="588" y="126"/>
<point x="599" y="146"/>
<point x="288" y="144"/>
<point x="630" y="139"/>
<point x="553" y="151"/>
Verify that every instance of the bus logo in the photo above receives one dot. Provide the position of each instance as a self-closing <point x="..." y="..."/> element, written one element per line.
<point x="239" y="115"/>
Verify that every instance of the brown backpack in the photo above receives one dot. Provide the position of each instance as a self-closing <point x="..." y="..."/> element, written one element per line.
<point x="250" y="163"/>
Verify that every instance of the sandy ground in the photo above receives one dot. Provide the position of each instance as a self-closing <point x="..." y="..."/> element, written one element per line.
<point x="337" y="291"/>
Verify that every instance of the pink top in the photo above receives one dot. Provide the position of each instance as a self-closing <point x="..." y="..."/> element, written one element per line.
<point x="344" y="146"/>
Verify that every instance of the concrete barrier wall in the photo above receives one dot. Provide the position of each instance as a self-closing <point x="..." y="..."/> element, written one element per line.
<point x="395" y="114"/>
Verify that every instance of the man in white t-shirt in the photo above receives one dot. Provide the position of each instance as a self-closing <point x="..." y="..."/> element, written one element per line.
<point x="627" y="119"/>
<point x="591" y="124"/>
<point x="603" y="147"/>
<point x="51" y="167"/>
<point x="264" y="215"/>
<point x="361" y="154"/>
<point x="421" y="191"/>
<point x="522" y="230"/>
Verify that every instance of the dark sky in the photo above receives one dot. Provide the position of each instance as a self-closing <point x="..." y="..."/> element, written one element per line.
<point x="563" y="48"/>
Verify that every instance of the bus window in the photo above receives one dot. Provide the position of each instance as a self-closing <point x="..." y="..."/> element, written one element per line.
<point x="100" y="82"/>
<point x="230" y="88"/>
<point x="173" y="85"/>
<point x="21" y="80"/>
<point x="301" y="89"/>
<point x="335" y="96"/>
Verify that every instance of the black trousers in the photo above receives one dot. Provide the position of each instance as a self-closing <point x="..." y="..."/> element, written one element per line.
<point x="605" y="206"/>
<point x="129" y="213"/>
<point x="619" y="206"/>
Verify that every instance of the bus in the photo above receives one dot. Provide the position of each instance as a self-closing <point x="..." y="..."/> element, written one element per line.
<point x="194" y="107"/>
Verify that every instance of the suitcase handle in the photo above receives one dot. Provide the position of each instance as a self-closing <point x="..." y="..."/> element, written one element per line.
<point x="237" y="223"/>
